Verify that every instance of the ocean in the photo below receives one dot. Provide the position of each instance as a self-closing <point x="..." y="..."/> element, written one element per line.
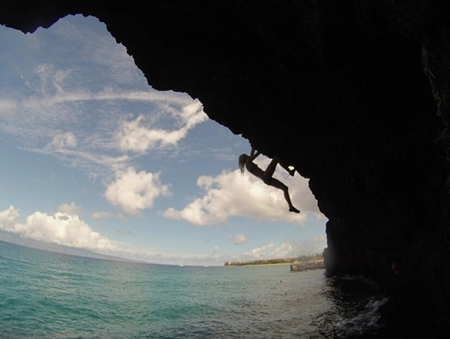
<point x="49" y="295"/>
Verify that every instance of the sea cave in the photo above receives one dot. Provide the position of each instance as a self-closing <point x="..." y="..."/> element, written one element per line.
<point x="354" y="94"/>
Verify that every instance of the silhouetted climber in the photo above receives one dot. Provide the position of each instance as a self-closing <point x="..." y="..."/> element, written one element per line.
<point x="267" y="175"/>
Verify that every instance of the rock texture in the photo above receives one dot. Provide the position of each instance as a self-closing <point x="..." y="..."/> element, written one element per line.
<point x="355" y="94"/>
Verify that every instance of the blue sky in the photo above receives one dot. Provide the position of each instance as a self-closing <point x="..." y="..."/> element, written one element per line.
<point x="92" y="157"/>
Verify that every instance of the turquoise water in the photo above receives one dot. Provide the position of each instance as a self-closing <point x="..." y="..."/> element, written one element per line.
<point x="48" y="295"/>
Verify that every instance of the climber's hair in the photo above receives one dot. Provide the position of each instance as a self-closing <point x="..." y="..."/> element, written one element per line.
<point x="242" y="159"/>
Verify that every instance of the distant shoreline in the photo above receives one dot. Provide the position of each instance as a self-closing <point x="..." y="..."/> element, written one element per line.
<point x="253" y="265"/>
<point x="294" y="266"/>
<point x="307" y="265"/>
<point x="299" y="263"/>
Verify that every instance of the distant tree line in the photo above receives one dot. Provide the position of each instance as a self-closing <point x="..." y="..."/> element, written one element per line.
<point x="302" y="258"/>
<point x="312" y="257"/>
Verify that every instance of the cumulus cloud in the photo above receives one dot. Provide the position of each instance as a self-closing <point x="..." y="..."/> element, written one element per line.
<point x="60" y="228"/>
<point x="134" y="192"/>
<point x="231" y="194"/>
<point x="138" y="135"/>
<point x="239" y="239"/>
<point x="7" y="219"/>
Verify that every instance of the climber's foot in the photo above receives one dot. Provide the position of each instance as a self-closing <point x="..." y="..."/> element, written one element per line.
<point x="293" y="209"/>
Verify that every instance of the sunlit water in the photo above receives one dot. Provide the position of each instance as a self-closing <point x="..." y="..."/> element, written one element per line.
<point x="47" y="295"/>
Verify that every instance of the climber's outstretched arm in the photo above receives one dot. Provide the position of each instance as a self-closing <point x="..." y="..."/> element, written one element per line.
<point x="253" y="154"/>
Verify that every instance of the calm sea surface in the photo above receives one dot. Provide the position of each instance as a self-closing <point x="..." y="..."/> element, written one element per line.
<point x="48" y="295"/>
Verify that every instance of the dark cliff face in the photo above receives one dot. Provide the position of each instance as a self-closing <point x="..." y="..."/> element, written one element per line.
<point x="355" y="94"/>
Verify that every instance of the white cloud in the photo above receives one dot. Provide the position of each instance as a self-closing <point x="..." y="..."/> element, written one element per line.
<point x="102" y="215"/>
<point x="192" y="115"/>
<point x="62" y="141"/>
<point x="134" y="192"/>
<point x="260" y="252"/>
<point x="52" y="81"/>
<point x="239" y="239"/>
<point x="231" y="194"/>
<point x="98" y="136"/>
<point x="70" y="209"/>
<point x="78" y="99"/>
<point x="60" y="228"/>
<point x="7" y="219"/>
<point x="44" y="103"/>
<point x="286" y="249"/>
<point x="7" y="106"/>
<point x="139" y="136"/>
<point x="93" y="43"/>
<point x="42" y="115"/>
